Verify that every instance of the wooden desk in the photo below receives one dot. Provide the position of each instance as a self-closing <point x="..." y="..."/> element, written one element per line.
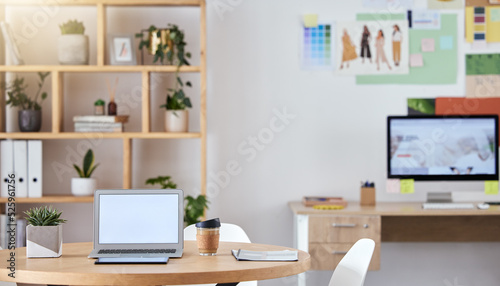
<point x="328" y="234"/>
<point x="74" y="268"/>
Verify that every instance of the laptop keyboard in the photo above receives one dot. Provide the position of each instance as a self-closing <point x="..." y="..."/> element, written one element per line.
<point x="135" y="251"/>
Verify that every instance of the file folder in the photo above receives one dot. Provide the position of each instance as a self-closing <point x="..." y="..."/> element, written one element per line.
<point x="6" y="165"/>
<point x="34" y="168"/>
<point x="21" y="167"/>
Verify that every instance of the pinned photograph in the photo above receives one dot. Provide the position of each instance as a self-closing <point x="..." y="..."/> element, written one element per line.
<point x="372" y="47"/>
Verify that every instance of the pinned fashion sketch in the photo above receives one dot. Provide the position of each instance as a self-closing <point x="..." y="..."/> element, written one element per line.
<point x="397" y="37"/>
<point x="348" y="51"/>
<point x="382" y="47"/>
<point x="379" y="46"/>
<point x="366" y="37"/>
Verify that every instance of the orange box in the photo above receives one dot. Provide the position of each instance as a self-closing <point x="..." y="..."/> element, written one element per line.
<point x="367" y="196"/>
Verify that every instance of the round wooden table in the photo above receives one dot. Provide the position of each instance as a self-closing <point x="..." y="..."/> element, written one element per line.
<point x="74" y="268"/>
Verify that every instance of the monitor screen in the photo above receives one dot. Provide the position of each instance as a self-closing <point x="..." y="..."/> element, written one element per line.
<point x="443" y="147"/>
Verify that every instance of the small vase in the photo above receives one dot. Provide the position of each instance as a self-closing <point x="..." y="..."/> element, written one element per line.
<point x="176" y="120"/>
<point x="30" y="120"/>
<point x="83" y="186"/>
<point x="44" y="241"/>
<point x="73" y="49"/>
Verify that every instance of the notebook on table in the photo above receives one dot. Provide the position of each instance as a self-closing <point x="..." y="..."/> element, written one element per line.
<point x="138" y="223"/>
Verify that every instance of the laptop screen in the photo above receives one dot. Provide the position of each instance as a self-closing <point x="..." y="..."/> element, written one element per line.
<point x="138" y="218"/>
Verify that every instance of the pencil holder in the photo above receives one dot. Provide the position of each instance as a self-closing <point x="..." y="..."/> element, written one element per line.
<point x="367" y="196"/>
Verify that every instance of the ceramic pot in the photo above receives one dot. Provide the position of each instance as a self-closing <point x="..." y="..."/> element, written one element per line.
<point x="29" y="120"/>
<point x="176" y="121"/>
<point x="44" y="241"/>
<point x="73" y="49"/>
<point x="83" y="186"/>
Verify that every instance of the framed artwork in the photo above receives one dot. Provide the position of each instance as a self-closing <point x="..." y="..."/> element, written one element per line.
<point x="121" y="50"/>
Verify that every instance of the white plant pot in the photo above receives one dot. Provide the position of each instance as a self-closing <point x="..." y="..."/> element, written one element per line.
<point x="176" y="120"/>
<point x="83" y="186"/>
<point x="73" y="49"/>
<point x="44" y="241"/>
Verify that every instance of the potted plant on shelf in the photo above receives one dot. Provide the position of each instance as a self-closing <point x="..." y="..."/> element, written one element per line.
<point x="167" y="45"/>
<point x="44" y="232"/>
<point x="85" y="185"/>
<point x="73" y="45"/>
<point x="30" y="113"/>
<point x="194" y="208"/>
<point x="176" y="113"/>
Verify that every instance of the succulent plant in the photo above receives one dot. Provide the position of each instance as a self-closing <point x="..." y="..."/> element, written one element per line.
<point x="44" y="216"/>
<point x="72" y="27"/>
<point x="88" y="165"/>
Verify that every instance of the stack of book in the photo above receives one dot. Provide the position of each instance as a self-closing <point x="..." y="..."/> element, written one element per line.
<point x="100" y="123"/>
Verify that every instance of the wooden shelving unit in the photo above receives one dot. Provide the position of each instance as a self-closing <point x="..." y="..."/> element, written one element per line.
<point x="57" y="72"/>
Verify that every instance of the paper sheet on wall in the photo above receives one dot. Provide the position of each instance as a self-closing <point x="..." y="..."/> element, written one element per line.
<point x="317" y="46"/>
<point x="482" y="75"/>
<point x="492" y="28"/>
<point x="393" y="4"/>
<point x="425" y="20"/>
<point x="440" y="67"/>
<point x="449" y="4"/>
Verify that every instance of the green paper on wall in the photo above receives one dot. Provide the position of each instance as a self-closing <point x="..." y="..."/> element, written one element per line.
<point x="407" y="186"/>
<point x="491" y="187"/>
<point x="440" y="66"/>
<point x="482" y="64"/>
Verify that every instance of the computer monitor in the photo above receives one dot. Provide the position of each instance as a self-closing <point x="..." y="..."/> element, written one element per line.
<point x="444" y="148"/>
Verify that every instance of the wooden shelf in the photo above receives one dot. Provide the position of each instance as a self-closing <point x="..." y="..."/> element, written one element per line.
<point x="146" y="72"/>
<point x="104" y="2"/>
<point x="104" y="135"/>
<point x="52" y="199"/>
<point x="93" y="68"/>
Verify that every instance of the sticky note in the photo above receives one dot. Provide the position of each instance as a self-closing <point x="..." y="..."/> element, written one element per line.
<point x="427" y="45"/>
<point x="494" y="14"/>
<point x="416" y="60"/>
<point x="491" y="187"/>
<point x="407" y="186"/>
<point x="392" y="186"/>
<point x="310" y="20"/>
<point x="446" y="42"/>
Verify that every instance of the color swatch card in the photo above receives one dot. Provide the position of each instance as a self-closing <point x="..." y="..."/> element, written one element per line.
<point x="318" y="47"/>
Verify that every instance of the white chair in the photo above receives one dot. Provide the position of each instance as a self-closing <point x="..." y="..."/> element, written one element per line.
<point x="351" y="270"/>
<point x="229" y="233"/>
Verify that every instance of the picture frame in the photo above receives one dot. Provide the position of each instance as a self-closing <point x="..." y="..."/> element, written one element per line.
<point x="121" y="49"/>
<point x="10" y="43"/>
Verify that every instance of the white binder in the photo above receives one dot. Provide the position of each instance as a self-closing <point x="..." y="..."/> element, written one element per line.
<point x="6" y="165"/>
<point x="21" y="167"/>
<point x="34" y="168"/>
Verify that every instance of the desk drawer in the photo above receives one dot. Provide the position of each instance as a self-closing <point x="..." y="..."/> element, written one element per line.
<point x="343" y="229"/>
<point x="326" y="256"/>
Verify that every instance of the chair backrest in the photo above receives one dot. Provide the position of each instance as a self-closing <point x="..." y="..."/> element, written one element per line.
<point x="351" y="270"/>
<point x="228" y="232"/>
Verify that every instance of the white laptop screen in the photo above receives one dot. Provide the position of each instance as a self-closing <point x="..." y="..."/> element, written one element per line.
<point x="144" y="218"/>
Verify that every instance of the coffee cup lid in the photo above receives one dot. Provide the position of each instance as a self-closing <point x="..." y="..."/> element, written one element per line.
<point x="211" y="223"/>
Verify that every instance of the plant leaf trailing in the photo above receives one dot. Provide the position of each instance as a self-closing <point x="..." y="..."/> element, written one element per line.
<point x="194" y="207"/>
<point x="88" y="165"/>
<point x="44" y="216"/>
<point x="17" y="97"/>
<point x="170" y="51"/>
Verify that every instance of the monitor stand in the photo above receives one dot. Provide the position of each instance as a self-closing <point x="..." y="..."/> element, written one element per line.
<point x="439" y="197"/>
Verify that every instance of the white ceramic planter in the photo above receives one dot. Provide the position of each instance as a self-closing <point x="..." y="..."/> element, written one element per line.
<point x="176" y="120"/>
<point x="44" y="241"/>
<point x="83" y="186"/>
<point x="73" y="49"/>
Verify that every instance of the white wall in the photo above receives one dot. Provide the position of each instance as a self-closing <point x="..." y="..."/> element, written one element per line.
<point x="335" y="139"/>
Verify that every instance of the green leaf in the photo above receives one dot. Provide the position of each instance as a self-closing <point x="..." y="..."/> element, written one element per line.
<point x="88" y="161"/>
<point x="180" y="81"/>
<point x="79" y="171"/>
<point x="188" y="83"/>
<point x="44" y="95"/>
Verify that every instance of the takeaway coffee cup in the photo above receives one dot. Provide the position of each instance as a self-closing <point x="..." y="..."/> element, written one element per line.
<point x="207" y="236"/>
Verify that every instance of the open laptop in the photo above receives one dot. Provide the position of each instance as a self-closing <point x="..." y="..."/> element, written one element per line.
<point x="138" y="223"/>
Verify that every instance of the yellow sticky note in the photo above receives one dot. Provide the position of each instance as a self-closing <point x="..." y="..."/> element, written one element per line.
<point x="311" y="20"/>
<point x="491" y="187"/>
<point x="407" y="186"/>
